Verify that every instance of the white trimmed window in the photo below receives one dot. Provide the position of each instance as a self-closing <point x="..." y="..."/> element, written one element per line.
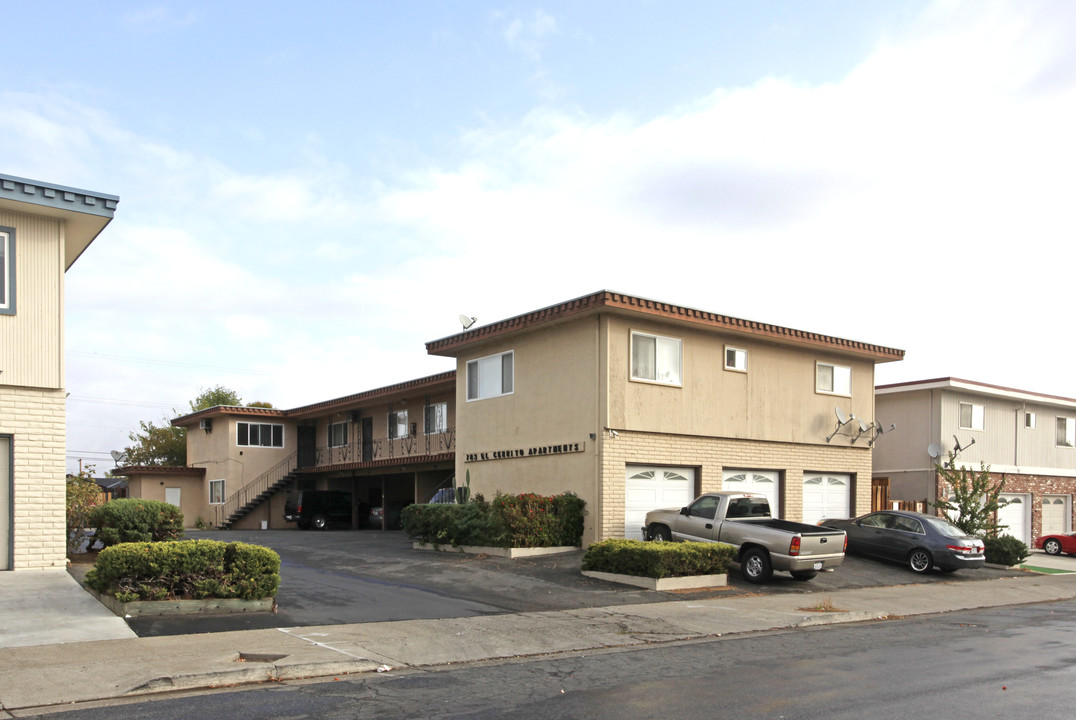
<point x="1029" y="420"/>
<point x="7" y="271"/>
<point x="259" y="435"/>
<point x="1066" y="432"/>
<point x="655" y="358"/>
<point x="337" y="434"/>
<point x="491" y="376"/>
<point x="216" y="492"/>
<point x="971" y="416"/>
<point x="436" y="419"/>
<point x="735" y="359"/>
<point x="398" y="424"/>
<point x="833" y="379"/>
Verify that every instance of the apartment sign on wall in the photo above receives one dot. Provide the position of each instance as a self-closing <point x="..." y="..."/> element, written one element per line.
<point x="540" y="451"/>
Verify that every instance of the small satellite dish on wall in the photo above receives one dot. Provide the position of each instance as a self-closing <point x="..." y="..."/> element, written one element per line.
<point x="841" y="417"/>
<point x="934" y="450"/>
<point x="467" y="322"/>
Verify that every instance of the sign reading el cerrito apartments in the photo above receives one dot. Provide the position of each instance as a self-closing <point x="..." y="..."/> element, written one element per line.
<point x="541" y="451"/>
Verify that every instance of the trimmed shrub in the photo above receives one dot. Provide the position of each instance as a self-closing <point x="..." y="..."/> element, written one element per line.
<point x="186" y="569"/>
<point x="658" y="560"/>
<point x="1005" y="550"/>
<point x="508" y="521"/>
<point x="129" y="520"/>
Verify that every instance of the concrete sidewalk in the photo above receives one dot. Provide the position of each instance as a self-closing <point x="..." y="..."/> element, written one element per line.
<point x="44" y="675"/>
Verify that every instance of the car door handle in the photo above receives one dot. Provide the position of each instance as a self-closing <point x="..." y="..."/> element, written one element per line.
<point x="709" y="526"/>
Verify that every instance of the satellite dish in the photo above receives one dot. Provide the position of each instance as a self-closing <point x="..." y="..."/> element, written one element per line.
<point x="934" y="450"/>
<point x="467" y="322"/>
<point x="118" y="456"/>
<point x="841" y="417"/>
<point x="862" y="425"/>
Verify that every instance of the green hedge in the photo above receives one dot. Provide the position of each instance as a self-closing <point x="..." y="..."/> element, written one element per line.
<point x="658" y="560"/>
<point x="1005" y="550"/>
<point x="525" y="521"/>
<point x="129" y="520"/>
<point x="186" y="569"/>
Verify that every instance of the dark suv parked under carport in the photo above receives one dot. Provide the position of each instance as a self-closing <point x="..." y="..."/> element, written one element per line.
<point x="319" y="508"/>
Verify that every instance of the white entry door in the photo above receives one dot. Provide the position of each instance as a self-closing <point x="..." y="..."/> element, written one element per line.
<point x="1054" y="514"/>
<point x="1014" y="511"/>
<point x="825" y="496"/>
<point x="650" y="488"/>
<point x="171" y="496"/>
<point x="763" y="482"/>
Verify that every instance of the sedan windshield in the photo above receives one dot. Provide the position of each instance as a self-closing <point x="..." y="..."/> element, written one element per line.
<point x="946" y="528"/>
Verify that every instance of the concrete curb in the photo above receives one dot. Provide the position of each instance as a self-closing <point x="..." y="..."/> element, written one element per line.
<point x="688" y="582"/>
<point x="510" y="553"/>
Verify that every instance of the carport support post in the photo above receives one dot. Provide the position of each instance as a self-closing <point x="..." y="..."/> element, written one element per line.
<point x="384" y="507"/>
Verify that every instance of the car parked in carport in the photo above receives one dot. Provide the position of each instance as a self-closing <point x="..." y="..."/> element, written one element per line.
<point x="921" y="541"/>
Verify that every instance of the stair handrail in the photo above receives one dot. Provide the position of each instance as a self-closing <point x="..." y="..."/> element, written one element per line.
<point x="254" y="488"/>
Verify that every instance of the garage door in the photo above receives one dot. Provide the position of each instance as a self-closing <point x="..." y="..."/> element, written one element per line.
<point x="763" y="482"/>
<point x="825" y="496"/>
<point x="650" y="488"/>
<point x="1014" y="512"/>
<point x="1054" y="514"/>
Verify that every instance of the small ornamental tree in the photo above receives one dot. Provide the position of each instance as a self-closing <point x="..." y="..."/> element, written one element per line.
<point x="83" y="495"/>
<point x="974" y="498"/>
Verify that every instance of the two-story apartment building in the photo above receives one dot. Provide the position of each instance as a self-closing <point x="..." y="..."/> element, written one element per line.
<point x="634" y="404"/>
<point x="1026" y="438"/>
<point x="44" y="228"/>
<point x="388" y="447"/>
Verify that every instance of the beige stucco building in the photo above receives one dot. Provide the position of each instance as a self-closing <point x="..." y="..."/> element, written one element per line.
<point x="44" y="228"/>
<point x="635" y="404"/>
<point x="631" y="404"/>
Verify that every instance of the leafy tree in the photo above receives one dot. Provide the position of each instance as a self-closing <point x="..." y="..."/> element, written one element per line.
<point x="975" y="498"/>
<point x="260" y="404"/>
<point x="214" y="396"/>
<point x="83" y="495"/>
<point x="163" y="444"/>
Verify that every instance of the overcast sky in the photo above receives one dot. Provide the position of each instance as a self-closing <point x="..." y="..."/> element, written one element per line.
<point x="311" y="191"/>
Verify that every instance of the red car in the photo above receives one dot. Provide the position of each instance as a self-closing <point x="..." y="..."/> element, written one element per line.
<point x="1057" y="544"/>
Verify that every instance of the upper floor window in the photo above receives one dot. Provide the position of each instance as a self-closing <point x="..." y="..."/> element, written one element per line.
<point x="436" y="419"/>
<point x="337" y="434"/>
<point x="1029" y="420"/>
<point x="833" y="379"/>
<point x="259" y="435"/>
<point x="735" y="359"/>
<point x="656" y="359"/>
<point x="1066" y="432"/>
<point x="971" y="416"/>
<point x="7" y="271"/>
<point x="491" y="376"/>
<point x="398" y="424"/>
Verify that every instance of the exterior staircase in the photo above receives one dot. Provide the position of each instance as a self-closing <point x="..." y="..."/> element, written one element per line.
<point x="254" y="493"/>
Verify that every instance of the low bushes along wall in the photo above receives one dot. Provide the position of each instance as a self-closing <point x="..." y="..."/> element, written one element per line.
<point x="127" y="520"/>
<point x="522" y="521"/>
<point x="658" y="560"/>
<point x="186" y="569"/>
<point x="1005" y="550"/>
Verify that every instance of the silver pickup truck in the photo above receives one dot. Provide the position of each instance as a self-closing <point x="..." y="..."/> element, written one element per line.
<point x="764" y="543"/>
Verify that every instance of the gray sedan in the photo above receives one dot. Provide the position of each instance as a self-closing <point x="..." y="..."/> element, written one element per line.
<point x="922" y="541"/>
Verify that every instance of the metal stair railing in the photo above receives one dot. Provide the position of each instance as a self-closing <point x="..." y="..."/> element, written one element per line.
<point x="252" y="491"/>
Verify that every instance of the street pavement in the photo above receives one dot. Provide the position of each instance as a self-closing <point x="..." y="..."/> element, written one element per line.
<point x="57" y="649"/>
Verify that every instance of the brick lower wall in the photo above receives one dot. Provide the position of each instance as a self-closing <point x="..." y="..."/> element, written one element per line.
<point x="1036" y="486"/>
<point x="37" y="420"/>
<point x="710" y="456"/>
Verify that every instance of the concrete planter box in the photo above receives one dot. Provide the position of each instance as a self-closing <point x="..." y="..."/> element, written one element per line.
<point x="142" y="608"/>
<point x="510" y="553"/>
<point x="686" y="582"/>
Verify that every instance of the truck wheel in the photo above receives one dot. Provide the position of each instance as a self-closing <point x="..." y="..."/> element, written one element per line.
<point x="755" y="566"/>
<point x="658" y="533"/>
<point x="803" y="575"/>
<point x="919" y="561"/>
<point x="319" y="522"/>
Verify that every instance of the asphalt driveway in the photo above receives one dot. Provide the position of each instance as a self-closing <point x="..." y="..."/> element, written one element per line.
<point x="336" y="577"/>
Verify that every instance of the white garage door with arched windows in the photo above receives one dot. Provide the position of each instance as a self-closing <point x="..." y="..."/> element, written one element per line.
<point x="649" y="488"/>
<point x="1014" y="512"/>
<point x="825" y="496"/>
<point x="763" y="482"/>
<point x="1055" y="514"/>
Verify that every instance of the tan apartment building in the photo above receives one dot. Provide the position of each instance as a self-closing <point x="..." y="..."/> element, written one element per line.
<point x="44" y="228"/>
<point x="1028" y="439"/>
<point x="388" y="447"/>
<point x="635" y="404"/>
